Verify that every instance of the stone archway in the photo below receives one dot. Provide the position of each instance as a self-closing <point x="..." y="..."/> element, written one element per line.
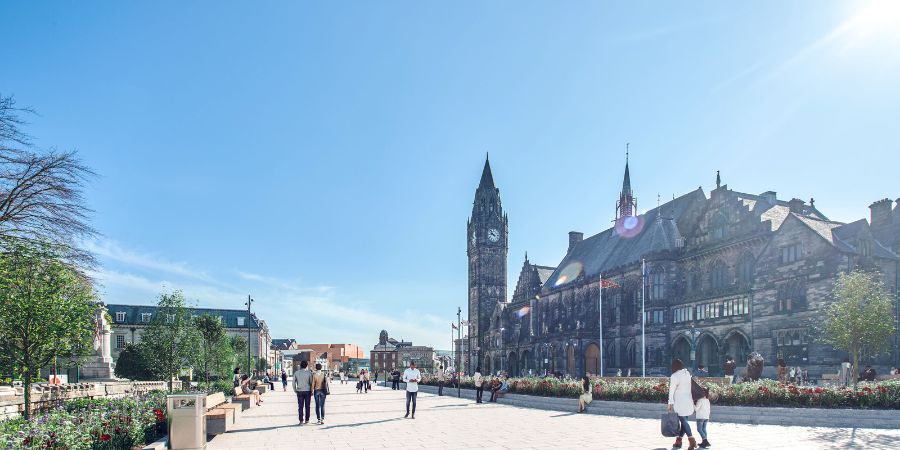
<point x="737" y="346"/>
<point x="512" y="364"/>
<point x="708" y="353"/>
<point x="570" y="360"/>
<point x="527" y="362"/>
<point x="592" y="359"/>
<point x="681" y="349"/>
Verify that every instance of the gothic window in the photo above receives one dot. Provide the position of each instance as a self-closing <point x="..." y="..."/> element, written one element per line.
<point x="791" y="296"/>
<point x="736" y="307"/>
<point x="719" y="275"/>
<point x="717" y="226"/>
<point x="657" y="284"/>
<point x="745" y="270"/>
<point x="695" y="280"/>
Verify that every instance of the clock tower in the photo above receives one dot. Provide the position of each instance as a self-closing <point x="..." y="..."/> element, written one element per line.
<point x="487" y="250"/>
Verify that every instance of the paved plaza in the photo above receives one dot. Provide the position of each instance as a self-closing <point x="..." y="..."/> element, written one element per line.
<point x="375" y="420"/>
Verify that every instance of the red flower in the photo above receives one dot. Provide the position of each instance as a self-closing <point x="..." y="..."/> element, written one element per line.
<point x="105" y="437"/>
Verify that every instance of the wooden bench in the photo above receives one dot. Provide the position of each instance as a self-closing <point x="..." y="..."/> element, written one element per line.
<point x="245" y="400"/>
<point x="218" y="419"/>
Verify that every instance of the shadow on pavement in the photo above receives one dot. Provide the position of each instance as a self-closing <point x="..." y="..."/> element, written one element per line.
<point x="850" y="438"/>
<point x="565" y="414"/>
<point x="349" y="425"/>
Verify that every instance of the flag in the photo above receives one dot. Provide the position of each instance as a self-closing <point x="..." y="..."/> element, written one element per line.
<point x="609" y="284"/>
<point x="453" y="325"/>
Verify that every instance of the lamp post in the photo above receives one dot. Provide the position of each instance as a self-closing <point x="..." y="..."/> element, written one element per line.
<point x="693" y="348"/>
<point x="502" y="352"/>
<point x="459" y="350"/>
<point x="249" y="302"/>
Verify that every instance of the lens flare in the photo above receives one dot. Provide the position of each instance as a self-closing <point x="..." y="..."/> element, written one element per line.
<point x="569" y="273"/>
<point x="629" y="226"/>
<point x="523" y="311"/>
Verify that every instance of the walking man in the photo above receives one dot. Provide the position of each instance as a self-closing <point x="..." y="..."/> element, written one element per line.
<point x="440" y="378"/>
<point x="303" y="388"/>
<point x="411" y="377"/>
<point x="283" y="380"/>
<point x="730" y="365"/>
<point x="395" y="379"/>
<point x="321" y="388"/>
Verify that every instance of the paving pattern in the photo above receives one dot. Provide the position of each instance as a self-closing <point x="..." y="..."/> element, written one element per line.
<point x="375" y="420"/>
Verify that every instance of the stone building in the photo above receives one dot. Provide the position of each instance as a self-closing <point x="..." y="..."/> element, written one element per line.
<point x="390" y="354"/>
<point x="718" y="275"/>
<point x="130" y="321"/>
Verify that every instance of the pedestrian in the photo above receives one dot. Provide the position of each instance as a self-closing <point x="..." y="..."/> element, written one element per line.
<point x="701" y="371"/>
<point x="501" y="387"/>
<point x="440" y="380"/>
<point x="320" y="388"/>
<point x="245" y="389"/>
<point x="411" y="377"/>
<point x="395" y="379"/>
<point x="868" y="374"/>
<point x="283" y="380"/>
<point x="303" y="388"/>
<point x="479" y="381"/>
<point x="702" y="409"/>
<point x="782" y="371"/>
<point x="681" y="401"/>
<point x="845" y="372"/>
<point x="730" y="365"/>
<point x="268" y="380"/>
<point x="342" y="376"/>
<point x="376" y="378"/>
<point x="364" y="379"/>
<point x="236" y="379"/>
<point x="586" y="394"/>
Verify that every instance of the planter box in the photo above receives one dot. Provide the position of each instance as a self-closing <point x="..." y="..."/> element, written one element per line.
<point x="753" y="415"/>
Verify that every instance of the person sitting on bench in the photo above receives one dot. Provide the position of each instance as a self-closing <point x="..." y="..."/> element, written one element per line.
<point x="498" y="389"/>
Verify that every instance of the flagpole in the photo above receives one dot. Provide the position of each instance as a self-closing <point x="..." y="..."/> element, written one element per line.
<point x="643" y="318"/>
<point x="601" y="325"/>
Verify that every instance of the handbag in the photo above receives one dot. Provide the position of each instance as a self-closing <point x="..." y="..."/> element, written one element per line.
<point x="670" y="426"/>
<point x="697" y="391"/>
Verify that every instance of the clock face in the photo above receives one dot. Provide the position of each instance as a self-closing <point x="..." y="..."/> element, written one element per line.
<point x="493" y="235"/>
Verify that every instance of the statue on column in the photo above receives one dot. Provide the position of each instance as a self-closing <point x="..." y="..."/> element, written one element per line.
<point x="99" y="363"/>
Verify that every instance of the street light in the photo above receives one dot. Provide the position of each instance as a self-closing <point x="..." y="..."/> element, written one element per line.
<point x="693" y="348"/>
<point x="502" y="352"/>
<point x="249" y="302"/>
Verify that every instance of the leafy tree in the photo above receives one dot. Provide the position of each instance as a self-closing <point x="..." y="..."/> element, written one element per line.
<point x="132" y="364"/>
<point x="262" y="364"/>
<point x="861" y="319"/>
<point x="171" y="340"/>
<point x="46" y="308"/>
<point x="212" y="332"/>
<point x="239" y="348"/>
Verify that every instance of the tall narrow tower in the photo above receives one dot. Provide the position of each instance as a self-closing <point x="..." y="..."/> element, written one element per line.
<point x="488" y="246"/>
<point x="627" y="204"/>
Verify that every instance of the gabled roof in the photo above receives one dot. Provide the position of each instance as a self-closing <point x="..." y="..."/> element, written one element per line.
<point x="544" y="273"/>
<point x="845" y="237"/>
<point x="607" y="249"/>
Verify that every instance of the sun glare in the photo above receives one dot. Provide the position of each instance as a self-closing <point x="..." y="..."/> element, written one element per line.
<point x="876" y="20"/>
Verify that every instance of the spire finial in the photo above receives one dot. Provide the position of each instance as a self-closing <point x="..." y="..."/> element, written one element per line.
<point x="718" y="180"/>
<point x="627" y="144"/>
<point x="526" y="255"/>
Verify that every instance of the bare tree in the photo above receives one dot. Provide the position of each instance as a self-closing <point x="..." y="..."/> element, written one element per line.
<point x="41" y="195"/>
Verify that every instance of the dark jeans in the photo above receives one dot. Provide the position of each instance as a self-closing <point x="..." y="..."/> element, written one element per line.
<point x="320" y="404"/>
<point x="411" y="396"/>
<point x="441" y="387"/>
<point x="303" y="402"/>
<point x="685" y="426"/>
<point x="494" y="394"/>
<point x="701" y="427"/>
<point x="395" y="384"/>
<point x="478" y="393"/>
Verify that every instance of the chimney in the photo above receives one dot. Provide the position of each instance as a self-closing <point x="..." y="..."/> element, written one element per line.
<point x="796" y="205"/>
<point x="770" y="197"/>
<point x="881" y="213"/>
<point x="574" y="238"/>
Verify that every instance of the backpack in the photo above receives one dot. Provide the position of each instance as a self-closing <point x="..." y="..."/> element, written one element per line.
<point x="697" y="391"/>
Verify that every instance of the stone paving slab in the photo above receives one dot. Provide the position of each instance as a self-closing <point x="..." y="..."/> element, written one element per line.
<point x="375" y="421"/>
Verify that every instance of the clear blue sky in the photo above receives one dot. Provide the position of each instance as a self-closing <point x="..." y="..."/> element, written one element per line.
<point x="324" y="156"/>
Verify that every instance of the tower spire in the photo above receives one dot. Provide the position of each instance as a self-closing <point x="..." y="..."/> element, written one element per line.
<point x="718" y="180"/>
<point x="487" y="178"/>
<point x="626" y="206"/>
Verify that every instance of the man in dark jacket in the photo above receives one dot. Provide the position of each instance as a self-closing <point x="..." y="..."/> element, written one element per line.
<point x="730" y="365"/>
<point x="868" y="374"/>
<point x="395" y="379"/>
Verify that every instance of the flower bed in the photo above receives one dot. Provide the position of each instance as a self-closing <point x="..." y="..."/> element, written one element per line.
<point x="88" y="424"/>
<point x="882" y="395"/>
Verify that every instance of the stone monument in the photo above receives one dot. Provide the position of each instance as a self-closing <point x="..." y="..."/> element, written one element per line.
<point x="99" y="365"/>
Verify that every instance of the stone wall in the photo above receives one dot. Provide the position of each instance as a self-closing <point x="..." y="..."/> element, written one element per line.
<point x="43" y="396"/>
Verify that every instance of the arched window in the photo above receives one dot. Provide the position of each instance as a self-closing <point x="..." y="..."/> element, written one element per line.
<point x="745" y="269"/>
<point x="719" y="275"/>
<point x="657" y="284"/>
<point x="717" y="226"/>
<point x="694" y="280"/>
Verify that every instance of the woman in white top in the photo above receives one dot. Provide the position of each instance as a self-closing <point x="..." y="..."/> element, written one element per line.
<point x="681" y="402"/>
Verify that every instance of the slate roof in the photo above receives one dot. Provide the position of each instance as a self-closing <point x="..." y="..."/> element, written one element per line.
<point x="844" y="236"/>
<point x="544" y="273"/>
<point x="133" y="315"/>
<point x="282" y="344"/>
<point x="607" y="249"/>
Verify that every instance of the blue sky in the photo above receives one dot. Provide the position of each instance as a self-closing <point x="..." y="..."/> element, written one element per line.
<point x="324" y="156"/>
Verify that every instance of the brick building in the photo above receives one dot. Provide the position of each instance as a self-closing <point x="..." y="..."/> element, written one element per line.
<point x="725" y="275"/>
<point x="337" y="356"/>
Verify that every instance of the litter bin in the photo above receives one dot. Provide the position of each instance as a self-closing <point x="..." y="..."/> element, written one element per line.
<point x="187" y="421"/>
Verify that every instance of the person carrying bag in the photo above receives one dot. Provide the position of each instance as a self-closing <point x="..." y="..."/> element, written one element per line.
<point x="321" y="388"/>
